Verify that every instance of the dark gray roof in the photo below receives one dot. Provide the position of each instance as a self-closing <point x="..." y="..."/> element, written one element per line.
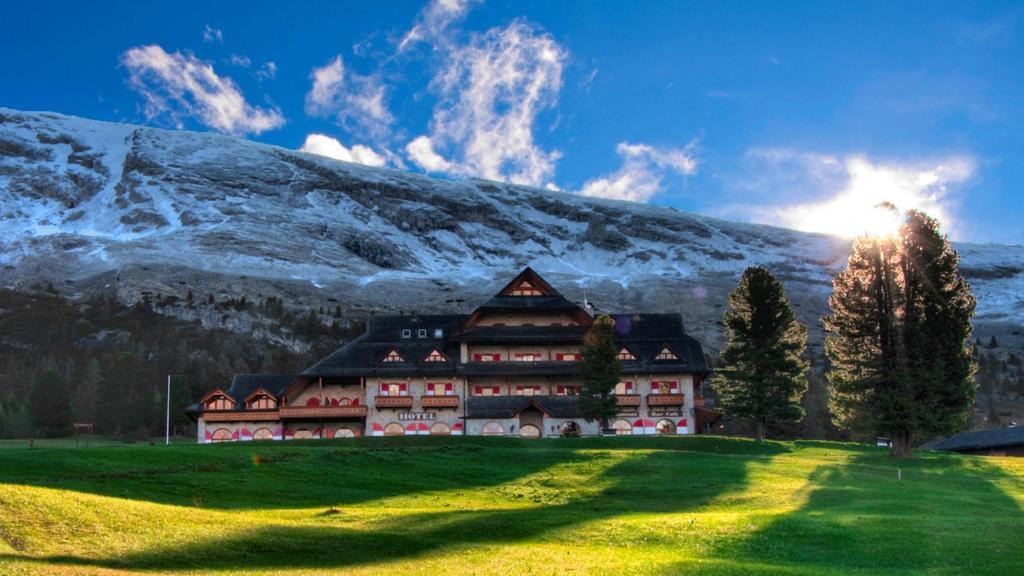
<point x="980" y="440"/>
<point x="528" y="304"/>
<point x="485" y="407"/>
<point x="242" y="385"/>
<point x="363" y="356"/>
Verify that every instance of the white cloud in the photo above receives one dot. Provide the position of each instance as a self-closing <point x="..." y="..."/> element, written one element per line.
<point x="434" y="20"/>
<point x="240" y="60"/>
<point x="849" y="189"/>
<point x="182" y="85"/>
<point x="491" y="91"/>
<point x="266" y="72"/>
<point x="211" y="34"/>
<point x="356" y="101"/>
<point x="332" y="148"/>
<point x="421" y="152"/>
<point x="643" y="167"/>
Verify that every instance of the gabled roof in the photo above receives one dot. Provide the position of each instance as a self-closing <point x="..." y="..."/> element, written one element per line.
<point x="549" y="301"/>
<point x="533" y="279"/>
<point x="980" y="440"/>
<point x="245" y="385"/>
<point x="496" y="407"/>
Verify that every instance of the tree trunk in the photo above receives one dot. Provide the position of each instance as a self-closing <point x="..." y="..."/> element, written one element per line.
<point x="902" y="445"/>
<point x="759" y="431"/>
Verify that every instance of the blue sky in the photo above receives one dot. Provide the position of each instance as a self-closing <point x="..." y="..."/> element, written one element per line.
<point x="801" y="114"/>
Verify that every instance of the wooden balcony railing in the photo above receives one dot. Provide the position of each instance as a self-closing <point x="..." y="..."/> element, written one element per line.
<point x="247" y="416"/>
<point x="393" y="401"/>
<point x="628" y="399"/>
<point x="440" y="401"/>
<point x="323" y="411"/>
<point x="665" y="399"/>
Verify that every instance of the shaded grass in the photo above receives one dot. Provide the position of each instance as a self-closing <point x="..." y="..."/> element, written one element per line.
<point x="485" y="505"/>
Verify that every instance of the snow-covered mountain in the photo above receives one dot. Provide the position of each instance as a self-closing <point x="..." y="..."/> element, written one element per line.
<point x="92" y="205"/>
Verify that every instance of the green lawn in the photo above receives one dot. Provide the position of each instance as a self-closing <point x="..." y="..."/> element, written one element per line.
<point x="656" y="505"/>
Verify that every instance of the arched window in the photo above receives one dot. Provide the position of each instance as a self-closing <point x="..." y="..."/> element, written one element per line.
<point x="222" y="435"/>
<point x="302" y="434"/>
<point x="344" y="433"/>
<point x="493" y="429"/>
<point x="570" y="429"/>
<point x="622" y="427"/>
<point x="529" y="431"/>
<point x="263" y="434"/>
<point x="394" y="429"/>
<point x="440" y="429"/>
<point x="666" y="427"/>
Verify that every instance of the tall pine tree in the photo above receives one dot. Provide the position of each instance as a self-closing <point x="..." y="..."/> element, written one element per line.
<point x="600" y="370"/>
<point x="765" y="374"/>
<point x="49" y="404"/>
<point x="898" y="337"/>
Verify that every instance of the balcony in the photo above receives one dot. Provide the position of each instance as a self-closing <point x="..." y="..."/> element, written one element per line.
<point x="665" y="399"/>
<point x="247" y="416"/>
<point x="393" y="401"/>
<point x="440" y="401"/>
<point x="323" y="412"/>
<point x="628" y="399"/>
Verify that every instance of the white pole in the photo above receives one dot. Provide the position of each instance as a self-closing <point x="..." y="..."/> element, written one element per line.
<point x="167" y="429"/>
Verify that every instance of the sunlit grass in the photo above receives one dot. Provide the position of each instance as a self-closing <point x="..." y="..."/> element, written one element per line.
<point x="504" y="506"/>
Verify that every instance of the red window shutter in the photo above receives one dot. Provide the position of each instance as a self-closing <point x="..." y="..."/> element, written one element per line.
<point x="496" y="358"/>
<point x="559" y="356"/>
<point x="383" y="389"/>
<point x="478" y="390"/>
<point x="403" y="388"/>
<point x="478" y="357"/>
<point x="496" y="390"/>
<point x="449" y="387"/>
<point x="519" y="388"/>
<point x="561" y="390"/>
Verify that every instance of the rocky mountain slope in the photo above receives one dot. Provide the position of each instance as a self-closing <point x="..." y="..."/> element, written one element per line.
<point x="93" y="206"/>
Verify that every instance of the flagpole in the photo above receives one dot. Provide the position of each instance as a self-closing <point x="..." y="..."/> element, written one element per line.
<point x="167" y="428"/>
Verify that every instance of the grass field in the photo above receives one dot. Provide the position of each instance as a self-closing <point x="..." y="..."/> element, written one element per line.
<point x="656" y="505"/>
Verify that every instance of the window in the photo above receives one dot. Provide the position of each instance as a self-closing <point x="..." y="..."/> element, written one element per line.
<point x="302" y="434"/>
<point x="393" y="357"/>
<point x="529" y="431"/>
<point x="262" y="402"/>
<point x="487" y="391"/>
<point x="532" y="390"/>
<point x="394" y="429"/>
<point x="622" y="427"/>
<point x="528" y="357"/>
<point x="624" y="388"/>
<point x="486" y="357"/>
<point x="526" y="289"/>
<point x="438" y="333"/>
<point x="421" y="333"/>
<point x="440" y="389"/>
<point x="344" y="433"/>
<point x="665" y="387"/>
<point x="440" y="429"/>
<point x="220" y="402"/>
<point x="394" y="388"/>
<point x="567" y="390"/>
<point x="666" y="354"/>
<point x="493" y="429"/>
<point x="666" y="427"/>
<point x="435" y="356"/>
<point x="406" y="333"/>
<point x="625" y="355"/>
<point x="222" y="435"/>
<point x="568" y="357"/>
<point x="263" y="434"/>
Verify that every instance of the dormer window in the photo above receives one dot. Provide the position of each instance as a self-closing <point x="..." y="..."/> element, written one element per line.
<point x="261" y="402"/>
<point x="666" y="354"/>
<point x="406" y="333"/>
<point x="625" y="355"/>
<point x="393" y="357"/>
<point x="525" y="289"/>
<point x="435" y="356"/>
<point x="219" y="402"/>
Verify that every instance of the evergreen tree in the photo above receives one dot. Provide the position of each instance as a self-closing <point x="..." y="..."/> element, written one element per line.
<point x="600" y="370"/>
<point x="49" y="405"/>
<point x="898" y="338"/>
<point x="765" y="375"/>
<point x="87" y="392"/>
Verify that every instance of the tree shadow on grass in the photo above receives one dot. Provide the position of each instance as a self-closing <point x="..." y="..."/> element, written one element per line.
<point x="303" y="474"/>
<point x="937" y="514"/>
<point x="660" y="481"/>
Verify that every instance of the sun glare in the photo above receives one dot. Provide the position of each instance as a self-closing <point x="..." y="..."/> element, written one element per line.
<point x="874" y="198"/>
